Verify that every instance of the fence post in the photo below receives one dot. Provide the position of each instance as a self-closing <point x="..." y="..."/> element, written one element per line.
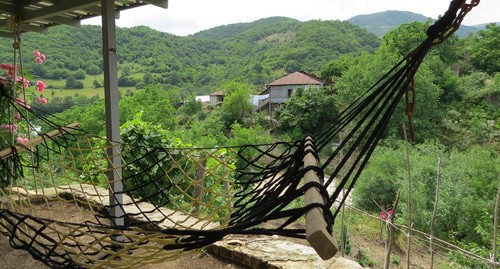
<point x="495" y="228"/>
<point x="408" y="244"/>
<point x="433" y="219"/>
<point x="390" y="238"/>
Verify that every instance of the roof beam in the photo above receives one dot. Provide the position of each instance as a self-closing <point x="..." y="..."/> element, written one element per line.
<point x="65" y="20"/>
<point x="158" y="3"/>
<point x="96" y="11"/>
<point x="33" y="28"/>
<point x="8" y="8"/>
<point x="54" y="10"/>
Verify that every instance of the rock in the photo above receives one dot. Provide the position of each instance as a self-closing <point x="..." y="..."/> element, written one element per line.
<point x="275" y="253"/>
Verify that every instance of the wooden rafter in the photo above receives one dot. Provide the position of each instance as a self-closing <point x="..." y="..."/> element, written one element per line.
<point x="38" y="15"/>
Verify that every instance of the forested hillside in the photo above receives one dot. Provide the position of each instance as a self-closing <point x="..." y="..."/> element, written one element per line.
<point x="255" y="53"/>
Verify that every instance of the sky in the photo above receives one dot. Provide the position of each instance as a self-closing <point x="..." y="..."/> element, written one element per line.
<point x="186" y="17"/>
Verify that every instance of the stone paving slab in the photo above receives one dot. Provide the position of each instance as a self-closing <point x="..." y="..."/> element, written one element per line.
<point x="274" y="252"/>
<point x="90" y="195"/>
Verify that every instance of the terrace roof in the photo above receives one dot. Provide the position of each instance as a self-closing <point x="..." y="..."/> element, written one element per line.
<point x="39" y="15"/>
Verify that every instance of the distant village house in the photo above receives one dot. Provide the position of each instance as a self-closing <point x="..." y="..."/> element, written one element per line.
<point x="216" y="98"/>
<point x="275" y="94"/>
<point x="283" y="88"/>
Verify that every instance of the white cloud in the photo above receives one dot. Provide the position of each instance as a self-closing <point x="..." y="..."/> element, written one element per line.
<point x="184" y="17"/>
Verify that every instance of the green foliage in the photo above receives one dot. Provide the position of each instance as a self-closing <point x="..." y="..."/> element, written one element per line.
<point x="347" y="242"/>
<point x="89" y="115"/>
<point x="381" y="180"/>
<point x="469" y="182"/>
<point x="154" y="102"/>
<point x="472" y="120"/>
<point x="236" y="104"/>
<point x="150" y="144"/>
<point x="395" y="259"/>
<point x="468" y="263"/>
<point x="405" y="38"/>
<point x="364" y="259"/>
<point x="484" y="53"/>
<point x="309" y="111"/>
<point x="205" y="133"/>
<point x="73" y="83"/>
<point x="248" y="136"/>
<point x="148" y="140"/>
<point x="191" y="107"/>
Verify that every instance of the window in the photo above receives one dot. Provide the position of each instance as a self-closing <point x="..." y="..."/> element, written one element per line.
<point x="290" y="91"/>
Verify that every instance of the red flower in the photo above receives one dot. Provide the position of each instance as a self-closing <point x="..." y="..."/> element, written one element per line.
<point x="11" y="70"/>
<point x="39" y="57"/>
<point x="9" y="128"/>
<point x="26" y="83"/>
<point x="42" y="100"/>
<point x="40" y="86"/>
<point x="21" y="139"/>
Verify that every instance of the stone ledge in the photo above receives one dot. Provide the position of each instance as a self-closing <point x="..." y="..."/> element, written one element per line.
<point x="274" y="252"/>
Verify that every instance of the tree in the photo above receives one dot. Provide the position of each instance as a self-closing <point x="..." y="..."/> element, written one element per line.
<point x="469" y="181"/>
<point x="93" y="69"/>
<point x="79" y="74"/>
<point x="73" y="83"/>
<point x="125" y="81"/>
<point x="309" y="111"/>
<point x="484" y="52"/>
<point x="236" y="104"/>
<point x="96" y="84"/>
<point x="155" y="105"/>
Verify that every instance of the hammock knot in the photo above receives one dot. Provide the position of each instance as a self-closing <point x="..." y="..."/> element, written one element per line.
<point x="442" y="24"/>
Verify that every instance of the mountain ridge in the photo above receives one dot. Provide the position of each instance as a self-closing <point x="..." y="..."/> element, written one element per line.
<point x="380" y="23"/>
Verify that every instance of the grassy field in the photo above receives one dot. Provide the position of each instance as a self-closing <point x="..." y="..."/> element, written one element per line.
<point x="55" y="87"/>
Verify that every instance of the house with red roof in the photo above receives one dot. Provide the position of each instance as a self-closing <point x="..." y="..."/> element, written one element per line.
<point x="283" y="88"/>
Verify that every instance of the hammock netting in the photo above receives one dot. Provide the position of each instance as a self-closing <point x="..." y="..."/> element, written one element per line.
<point x="58" y="204"/>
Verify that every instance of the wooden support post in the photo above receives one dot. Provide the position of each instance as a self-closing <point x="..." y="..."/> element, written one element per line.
<point x="39" y="139"/>
<point x="200" y="178"/>
<point x="316" y="233"/>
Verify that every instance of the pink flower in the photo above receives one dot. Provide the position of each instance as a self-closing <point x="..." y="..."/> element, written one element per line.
<point x="22" y="103"/>
<point x="40" y="86"/>
<point x="39" y="57"/>
<point x="385" y="215"/>
<point x="42" y="100"/>
<point x="26" y="83"/>
<point x="21" y="139"/>
<point x="17" y="116"/>
<point x="11" y="70"/>
<point x="9" y="128"/>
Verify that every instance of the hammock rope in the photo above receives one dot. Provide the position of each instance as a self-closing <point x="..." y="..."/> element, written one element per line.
<point x="56" y="200"/>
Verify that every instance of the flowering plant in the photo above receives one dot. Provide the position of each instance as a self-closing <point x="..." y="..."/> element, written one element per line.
<point x="15" y="99"/>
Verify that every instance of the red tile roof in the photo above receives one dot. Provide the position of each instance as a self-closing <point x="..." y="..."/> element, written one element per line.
<point x="297" y="78"/>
